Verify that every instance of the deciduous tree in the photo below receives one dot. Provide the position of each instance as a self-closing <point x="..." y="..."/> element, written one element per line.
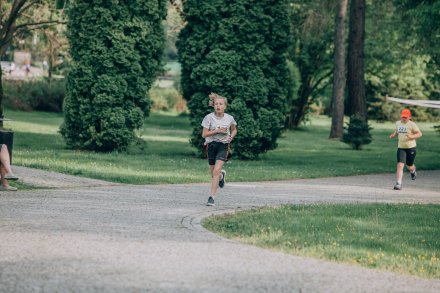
<point x="14" y="19"/>
<point x="311" y="51"/>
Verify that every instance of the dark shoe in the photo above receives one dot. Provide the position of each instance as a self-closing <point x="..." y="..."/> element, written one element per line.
<point x="10" y="176"/>
<point x="210" y="201"/>
<point x="221" y="183"/>
<point x="7" y="188"/>
<point x="413" y="175"/>
<point x="398" y="186"/>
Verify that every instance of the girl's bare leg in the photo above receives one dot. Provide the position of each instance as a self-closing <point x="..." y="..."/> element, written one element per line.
<point x="215" y="171"/>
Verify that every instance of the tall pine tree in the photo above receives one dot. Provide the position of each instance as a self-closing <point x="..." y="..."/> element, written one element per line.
<point x="237" y="49"/>
<point x="116" y="47"/>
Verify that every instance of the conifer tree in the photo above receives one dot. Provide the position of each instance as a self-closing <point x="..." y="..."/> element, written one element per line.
<point x="357" y="132"/>
<point x="238" y="50"/>
<point x="116" y="49"/>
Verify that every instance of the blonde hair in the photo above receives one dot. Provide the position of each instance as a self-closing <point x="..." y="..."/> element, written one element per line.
<point x="214" y="96"/>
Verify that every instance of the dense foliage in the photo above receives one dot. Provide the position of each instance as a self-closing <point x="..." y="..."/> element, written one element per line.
<point x="312" y="24"/>
<point x="237" y="49"/>
<point x="396" y="65"/>
<point x="41" y="95"/>
<point x="116" y="48"/>
<point x="401" y="46"/>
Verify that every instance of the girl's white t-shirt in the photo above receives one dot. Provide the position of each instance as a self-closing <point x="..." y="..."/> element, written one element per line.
<point x="212" y="122"/>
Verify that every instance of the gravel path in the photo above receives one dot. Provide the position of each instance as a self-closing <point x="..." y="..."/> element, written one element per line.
<point x="82" y="235"/>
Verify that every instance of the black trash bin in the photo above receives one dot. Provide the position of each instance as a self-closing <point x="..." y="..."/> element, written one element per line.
<point x="7" y="138"/>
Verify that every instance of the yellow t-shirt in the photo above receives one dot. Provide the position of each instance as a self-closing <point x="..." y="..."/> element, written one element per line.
<point x="402" y="130"/>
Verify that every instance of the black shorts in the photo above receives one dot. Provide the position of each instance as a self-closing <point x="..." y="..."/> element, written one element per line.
<point x="217" y="151"/>
<point x="406" y="156"/>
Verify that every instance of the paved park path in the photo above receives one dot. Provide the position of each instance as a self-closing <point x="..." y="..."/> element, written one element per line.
<point x="83" y="235"/>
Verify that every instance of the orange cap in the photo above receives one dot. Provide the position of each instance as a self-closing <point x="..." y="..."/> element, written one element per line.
<point x="405" y="113"/>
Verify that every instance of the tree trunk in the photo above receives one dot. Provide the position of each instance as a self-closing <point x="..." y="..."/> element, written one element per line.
<point x="301" y="105"/>
<point x="356" y="84"/>
<point x="337" y="128"/>
<point x="51" y="61"/>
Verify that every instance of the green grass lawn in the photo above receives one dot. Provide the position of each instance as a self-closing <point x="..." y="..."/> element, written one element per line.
<point x="403" y="238"/>
<point x="167" y="157"/>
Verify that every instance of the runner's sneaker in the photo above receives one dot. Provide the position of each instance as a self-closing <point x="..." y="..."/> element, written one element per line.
<point x="10" y="176"/>
<point x="221" y="183"/>
<point x="210" y="201"/>
<point x="398" y="186"/>
<point x="413" y="175"/>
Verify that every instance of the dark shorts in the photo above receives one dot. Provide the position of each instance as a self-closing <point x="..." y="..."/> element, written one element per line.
<point x="216" y="151"/>
<point x="406" y="156"/>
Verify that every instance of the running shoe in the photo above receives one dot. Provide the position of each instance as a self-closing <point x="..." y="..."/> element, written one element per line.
<point x="398" y="186"/>
<point x="10" y="176"/>
<point x="210" y="201"/>
<point x="221" y="183"/>
<point x="413" y="175"/>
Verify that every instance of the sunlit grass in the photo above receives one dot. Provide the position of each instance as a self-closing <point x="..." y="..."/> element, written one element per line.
<point x="402" y="238"/>
<point x="167" y="157"/>
<point x="164" y="138"/>
<point x="32" y="127"/>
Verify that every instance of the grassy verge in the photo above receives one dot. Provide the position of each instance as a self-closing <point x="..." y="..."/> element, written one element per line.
<point x="401" y="238"/>
<point x="166" y="156"/>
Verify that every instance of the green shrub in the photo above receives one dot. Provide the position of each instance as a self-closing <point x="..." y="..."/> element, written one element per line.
<point x="116" y="49"/>
<point x="41" y="95"/>
<point x="238" y="50"/>
<point x="358" y="133"/>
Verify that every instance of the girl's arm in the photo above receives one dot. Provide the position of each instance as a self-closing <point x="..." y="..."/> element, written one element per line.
<point x="233" y="132"/>
<point x="206" y="132"/>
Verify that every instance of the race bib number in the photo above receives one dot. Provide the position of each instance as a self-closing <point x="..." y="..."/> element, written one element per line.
<point x="402" y="129"/>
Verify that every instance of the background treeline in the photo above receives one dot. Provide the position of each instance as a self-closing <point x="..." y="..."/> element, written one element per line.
<point x="401" y="57"/>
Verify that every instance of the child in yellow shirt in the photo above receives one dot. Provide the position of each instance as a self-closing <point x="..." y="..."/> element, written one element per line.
<point x="407" y="132"/>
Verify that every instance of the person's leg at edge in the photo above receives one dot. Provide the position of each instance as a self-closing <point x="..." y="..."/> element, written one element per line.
<point x="5" y="161"/>
<point x="4" y="182"/>
<point x="3" y="173"/>
<point x="215" y="172"/>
